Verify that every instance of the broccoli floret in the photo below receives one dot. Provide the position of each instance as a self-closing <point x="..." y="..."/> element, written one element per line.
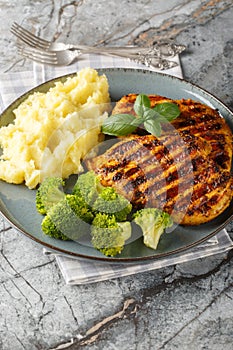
<point x="49" y="228"/>
<point x="110" y="202"/>
<point x="90" y="207"/>
<point x="108" y="235"/>
<point x="153" y="223"/>
<point x="80" y="207"/>
<point x="68" y="219"/>
<point x="88" y="187"/>
<point x="49" y="193"/>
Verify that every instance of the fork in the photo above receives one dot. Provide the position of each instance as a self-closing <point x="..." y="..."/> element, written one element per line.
<point x="66" y="57"/>
<point x="165" y="49"/>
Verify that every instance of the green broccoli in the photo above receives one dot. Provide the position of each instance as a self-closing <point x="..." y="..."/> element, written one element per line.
<point x="153" y="223"/>
<point x="110" y="202"/>
<point x="68" y="219"/>
<point x="49" y="228"/>
<point x="108" y="235"/>
<point x="87" y="186"/>
<point x="90" y="208"/>
<point x="49" y="193"/>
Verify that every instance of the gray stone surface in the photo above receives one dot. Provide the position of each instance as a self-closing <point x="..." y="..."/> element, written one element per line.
<point x="187" y="306"/>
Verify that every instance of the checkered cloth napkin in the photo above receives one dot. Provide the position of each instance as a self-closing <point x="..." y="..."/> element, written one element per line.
<point x="79" y="271"/>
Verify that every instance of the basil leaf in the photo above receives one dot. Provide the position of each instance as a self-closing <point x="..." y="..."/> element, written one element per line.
<point x="150" y="114"/>
<point x="124" y="124"/>
<point x="167" y="110"/>
<point x="137" y="121"/>
<point x="120" y="124"/>
<point x="142" y="102"/>
<point x="153" y="127"/>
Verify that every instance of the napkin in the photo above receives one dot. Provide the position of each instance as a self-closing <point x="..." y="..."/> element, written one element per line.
<point x="15" y="84"/>
<point x="80" y="271"/>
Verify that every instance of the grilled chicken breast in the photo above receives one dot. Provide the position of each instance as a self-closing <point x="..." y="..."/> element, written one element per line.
<point x="185" y="171"/>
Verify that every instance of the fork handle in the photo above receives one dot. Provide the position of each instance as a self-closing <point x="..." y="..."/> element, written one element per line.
<point x="160" y="49"/>
<point x="147" y="59"/>
<point x="108" y="49"/>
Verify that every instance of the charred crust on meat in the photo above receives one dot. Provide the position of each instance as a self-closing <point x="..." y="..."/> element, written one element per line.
<point x="185" y="171"/>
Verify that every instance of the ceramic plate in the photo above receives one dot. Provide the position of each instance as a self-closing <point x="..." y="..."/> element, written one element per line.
<point x="17" y="202"/>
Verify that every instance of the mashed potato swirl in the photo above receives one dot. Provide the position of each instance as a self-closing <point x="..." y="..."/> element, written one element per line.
<point x="53" y="131"/>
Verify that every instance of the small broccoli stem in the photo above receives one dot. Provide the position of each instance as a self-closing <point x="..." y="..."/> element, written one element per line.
<point x="108" y="234"/>
<point x="153" y="223"/>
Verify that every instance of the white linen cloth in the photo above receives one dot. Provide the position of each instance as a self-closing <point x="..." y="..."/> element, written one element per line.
<point x="79" y="271"/>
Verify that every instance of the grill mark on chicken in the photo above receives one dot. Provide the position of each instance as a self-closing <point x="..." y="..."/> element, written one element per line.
<point x="154" y="179"/>
<point x="185" y="172"/>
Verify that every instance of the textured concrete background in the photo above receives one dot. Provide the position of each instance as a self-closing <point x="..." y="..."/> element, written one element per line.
<point x="187" y="306"/>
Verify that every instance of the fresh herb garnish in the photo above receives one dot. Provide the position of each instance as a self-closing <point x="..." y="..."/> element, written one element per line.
<point x="151" y="118"/>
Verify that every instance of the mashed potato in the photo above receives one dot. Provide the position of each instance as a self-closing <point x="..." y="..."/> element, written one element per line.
<point x="53" y="131"/>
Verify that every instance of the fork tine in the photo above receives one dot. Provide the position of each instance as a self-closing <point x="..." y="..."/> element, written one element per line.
<point x="35" y="50"/>
<point x="29" y="38"/>
<point x="38" y="59"/>
<point x="37" y="55"/>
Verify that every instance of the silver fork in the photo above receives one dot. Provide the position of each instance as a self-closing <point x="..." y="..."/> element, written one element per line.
<point x="165" y="49"/>
<point x="66" y="57"/>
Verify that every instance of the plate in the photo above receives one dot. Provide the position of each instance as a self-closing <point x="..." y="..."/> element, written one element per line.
<point x="17" y="202"/>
